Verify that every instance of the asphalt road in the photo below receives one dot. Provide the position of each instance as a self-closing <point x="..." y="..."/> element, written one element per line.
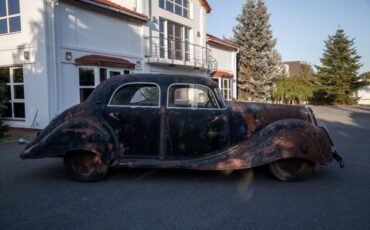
<point x="35" y="194"/>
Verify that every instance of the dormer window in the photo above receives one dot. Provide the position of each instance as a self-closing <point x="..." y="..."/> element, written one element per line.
<point x="10" y="18"/>
<point x="179" y="7"/>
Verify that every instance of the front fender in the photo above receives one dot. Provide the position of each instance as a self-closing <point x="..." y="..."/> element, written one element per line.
<point x="288" y="138"/>
<point x="80" y="133"/>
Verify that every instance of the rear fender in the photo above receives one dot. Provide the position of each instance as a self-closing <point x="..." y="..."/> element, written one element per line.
<point x="289" y="138"/>
<point x="80" y="133"/>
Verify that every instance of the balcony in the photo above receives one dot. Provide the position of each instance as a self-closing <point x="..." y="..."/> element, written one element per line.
<point x="178" y="53"/>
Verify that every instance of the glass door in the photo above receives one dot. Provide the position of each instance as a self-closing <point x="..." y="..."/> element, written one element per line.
<point x="175" y="40"/>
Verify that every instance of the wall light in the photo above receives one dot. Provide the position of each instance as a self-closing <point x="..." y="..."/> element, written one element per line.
<point x="138" y="64"/>
<point x="26" y="55"/>
<point x="154" y="20"/>
<point x="68" y="55"/>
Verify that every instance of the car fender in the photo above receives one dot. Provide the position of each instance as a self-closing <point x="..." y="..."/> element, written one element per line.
<point x="79" y="133"/>
<point x="288" y="138"/>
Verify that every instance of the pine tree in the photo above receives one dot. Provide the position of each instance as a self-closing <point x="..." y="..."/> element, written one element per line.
<point x="339" y="71"/>
<point x="259" y="62"/>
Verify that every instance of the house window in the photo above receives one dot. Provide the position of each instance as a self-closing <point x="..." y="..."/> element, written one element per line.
<point x="179" y="7"/>
<point x="161" y="38"/>
<point x="90" y="77"/>
<point x="225" y="86"/>
<point x="10" y="17"/>
<point x="175" y="42"/>
<point x="15" y="105"/>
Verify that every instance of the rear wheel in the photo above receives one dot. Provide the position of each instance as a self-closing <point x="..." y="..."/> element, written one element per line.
<point x="85" y="166"/>
<point x="291" y="169"/>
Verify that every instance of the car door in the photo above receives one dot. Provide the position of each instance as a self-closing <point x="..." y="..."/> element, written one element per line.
<point x="196" y="123"/>
<point x="134" y="114"/>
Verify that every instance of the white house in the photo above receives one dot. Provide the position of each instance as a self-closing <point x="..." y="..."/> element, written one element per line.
<point x="224" y="52"/>
<point x="364" y="95"/>
<point x="53" y="53"/>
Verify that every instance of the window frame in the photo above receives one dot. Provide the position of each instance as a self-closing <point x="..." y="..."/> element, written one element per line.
<point x="168" y="50"/>
<point x="192" y="108"/>
<point x="8" y="16"/>
<point x="135" y="106"/>
<point x="229" y="90"/>
<point x="97" y="81"/>
<point x="12" y="100"/>
<point x="174" y="5"/>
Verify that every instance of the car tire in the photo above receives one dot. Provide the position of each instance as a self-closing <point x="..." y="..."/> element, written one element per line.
<point x="85" y="166"/>
<point x="292" y="169"/>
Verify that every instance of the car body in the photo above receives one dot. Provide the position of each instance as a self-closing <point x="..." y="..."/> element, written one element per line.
<point x="166" y="121"/>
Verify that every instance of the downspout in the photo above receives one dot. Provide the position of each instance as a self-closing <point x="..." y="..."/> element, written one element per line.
<point x="54" y="51"/>
<point x="236" y="73"/>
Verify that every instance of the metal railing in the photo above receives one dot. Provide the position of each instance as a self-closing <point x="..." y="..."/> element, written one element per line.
<point x="178" y="52"/>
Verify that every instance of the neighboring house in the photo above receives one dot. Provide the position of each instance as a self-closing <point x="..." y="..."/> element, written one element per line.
<point x="293" y="68"/>
<point x="364" y="95"/>
<point x="54" y="53"/>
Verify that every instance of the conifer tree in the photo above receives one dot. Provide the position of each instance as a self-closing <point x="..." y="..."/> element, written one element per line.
<point x="339" y="71"/>
<point x="258" y="62"/>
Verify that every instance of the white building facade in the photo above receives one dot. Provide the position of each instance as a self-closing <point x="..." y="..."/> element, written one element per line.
<point x="54" y="53"/>
<point x="363" y="95"/>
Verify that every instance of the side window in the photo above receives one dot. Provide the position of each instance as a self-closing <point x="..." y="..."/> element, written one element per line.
<point x="191" y="96"/>
<point x="10" y="16"/>
<point x="87" y="82"/>
<point x="136" y="95"/>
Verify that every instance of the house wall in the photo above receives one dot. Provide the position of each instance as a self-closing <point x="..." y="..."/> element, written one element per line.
<point x="226" y="61"/>
<point x="83" y="31"/>
<point x="364" y="95"/>
<point x="31" y="38"/>
<point x="135" y="5"/>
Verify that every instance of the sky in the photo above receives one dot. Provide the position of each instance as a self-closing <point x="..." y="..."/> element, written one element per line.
<point x="302" y="26"/>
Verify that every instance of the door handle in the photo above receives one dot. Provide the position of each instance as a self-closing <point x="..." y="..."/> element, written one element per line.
<point x="213" y="119"/>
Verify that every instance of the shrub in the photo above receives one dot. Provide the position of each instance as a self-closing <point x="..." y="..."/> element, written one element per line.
<point x="3" y="100"/>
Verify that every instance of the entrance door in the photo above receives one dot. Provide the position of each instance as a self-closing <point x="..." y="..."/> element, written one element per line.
<point x="196" y="124"/>
<point x="134" y="114"/>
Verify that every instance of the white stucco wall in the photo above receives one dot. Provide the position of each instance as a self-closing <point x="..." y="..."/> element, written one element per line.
<point x="12" y="47"/>
<point x="82" y="32"/>
<point x="135" y="5"/>
<point x="364" y="95"/>
<point x="226" y="61"/>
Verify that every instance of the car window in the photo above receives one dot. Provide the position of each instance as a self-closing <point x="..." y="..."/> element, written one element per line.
<point x="191" y="96"/>
<point x="136" y="95"/>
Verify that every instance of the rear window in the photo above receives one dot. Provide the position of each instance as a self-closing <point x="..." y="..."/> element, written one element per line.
<point x="191" y="96"/>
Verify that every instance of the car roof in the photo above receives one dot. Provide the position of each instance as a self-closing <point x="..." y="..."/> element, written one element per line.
<point x="104" y="90"/>
<point x="162" y="78"/>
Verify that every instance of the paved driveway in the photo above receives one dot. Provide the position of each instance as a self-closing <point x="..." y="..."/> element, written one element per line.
<point x="35" y="194"/>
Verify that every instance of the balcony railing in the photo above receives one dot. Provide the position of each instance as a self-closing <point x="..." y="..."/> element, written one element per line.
<point x="178" y="52"/>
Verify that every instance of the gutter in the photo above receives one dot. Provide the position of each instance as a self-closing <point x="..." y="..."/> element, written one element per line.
<point x="142" y="18"/>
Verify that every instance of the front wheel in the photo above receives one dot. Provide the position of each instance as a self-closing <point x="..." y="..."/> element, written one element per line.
<point x="85" y="166"/>
<point x="292" y="169"/>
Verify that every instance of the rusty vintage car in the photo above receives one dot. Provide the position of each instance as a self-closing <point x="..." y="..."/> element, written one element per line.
<point x="165" y="121"/>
